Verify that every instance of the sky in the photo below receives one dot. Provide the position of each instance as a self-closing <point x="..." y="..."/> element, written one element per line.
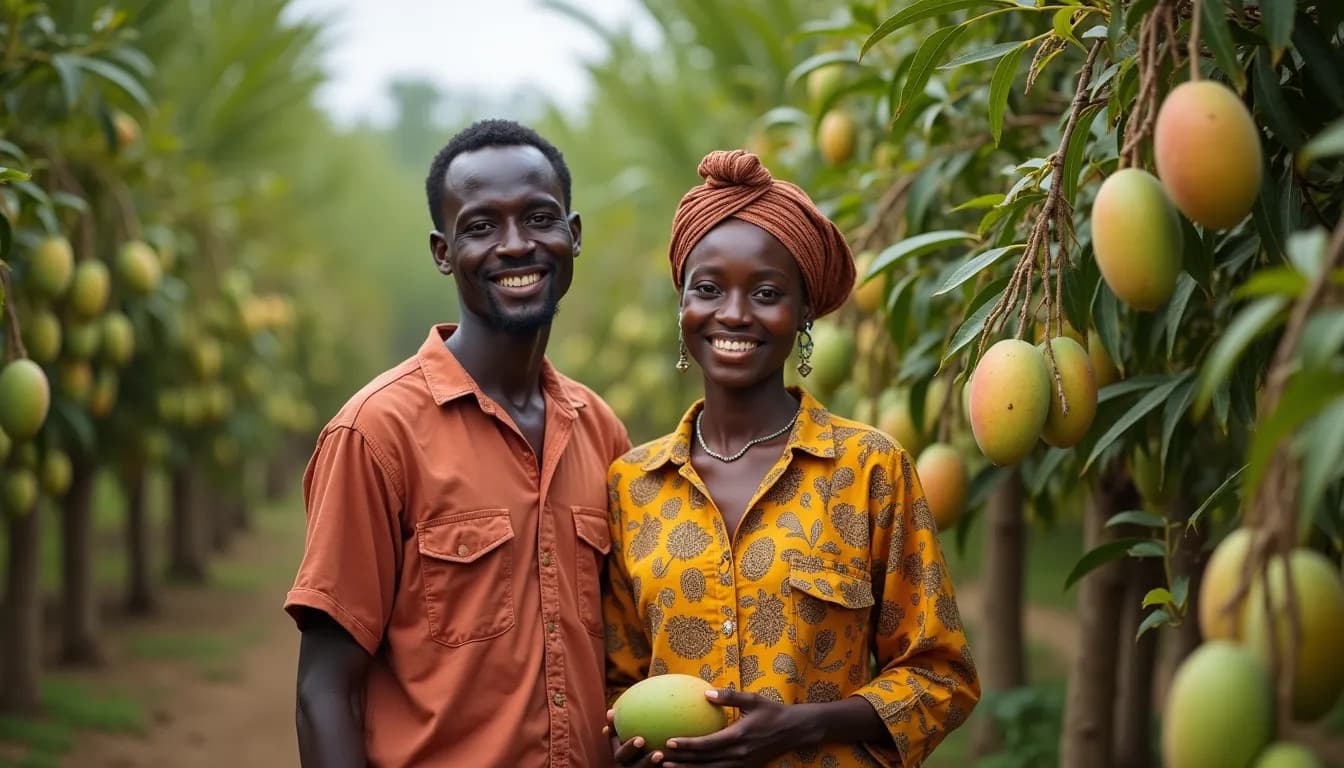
<point x="477" y="45"/>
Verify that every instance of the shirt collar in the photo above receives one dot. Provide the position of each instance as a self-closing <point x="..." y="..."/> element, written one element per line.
<point x="448" y="380"/>
<point x="810" y="434"/>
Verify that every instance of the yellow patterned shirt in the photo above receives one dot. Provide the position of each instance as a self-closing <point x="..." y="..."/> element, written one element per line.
<point x="834" y="586"/>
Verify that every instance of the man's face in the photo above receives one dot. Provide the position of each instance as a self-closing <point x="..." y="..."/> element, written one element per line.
<point x="507" y="237"/>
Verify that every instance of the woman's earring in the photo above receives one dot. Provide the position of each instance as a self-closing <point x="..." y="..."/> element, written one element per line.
<point x="683" y="362"/>
<point x="805" y="350"/>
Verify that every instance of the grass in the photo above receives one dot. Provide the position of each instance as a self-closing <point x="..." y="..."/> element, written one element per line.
<point x="67" y="707"/>
<point x="215" y="655"/>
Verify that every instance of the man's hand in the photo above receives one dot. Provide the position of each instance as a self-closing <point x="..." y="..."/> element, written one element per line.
<point x="628" y="754"/>
<point x="330" y="708"/>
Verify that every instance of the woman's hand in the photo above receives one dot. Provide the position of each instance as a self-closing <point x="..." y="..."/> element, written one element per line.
<point x="629" y="754"/>
<point x="766" y="730"/>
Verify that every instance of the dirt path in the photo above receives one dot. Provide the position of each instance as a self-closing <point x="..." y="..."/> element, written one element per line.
<point x="1048" y="626"/>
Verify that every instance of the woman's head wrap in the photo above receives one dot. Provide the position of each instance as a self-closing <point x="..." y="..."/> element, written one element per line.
<point x="738" y="186"/>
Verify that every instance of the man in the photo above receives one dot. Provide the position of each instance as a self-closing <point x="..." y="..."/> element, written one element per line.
<point x="448" y="596"/>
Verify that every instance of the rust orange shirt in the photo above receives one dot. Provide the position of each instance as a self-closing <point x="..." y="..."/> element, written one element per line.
<point x="467" y="568"/>
<point x="835" y="564"/>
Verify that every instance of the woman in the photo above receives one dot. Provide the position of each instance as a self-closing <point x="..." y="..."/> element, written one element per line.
<point x="768" y="546"/>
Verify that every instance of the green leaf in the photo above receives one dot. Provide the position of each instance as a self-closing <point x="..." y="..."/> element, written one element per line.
<point x="1115" y="29"/>
<point x="1073" y="156"/>
<point x="1277" y="18"/>
<point x="1230" y="484"/>
<point x="1063" y="26"/>
<point x="1322" y="457"/>
<point x="1271" y="104"/>
<point x="983" y="201"/>
<point x="1195" y="257"/>
<point x="118" y="77"/>
<point x="1106" y="318"/>
<point x="916" y="246"/>
<point x="898" y="306"/>
<point x="812" y="63"/>
<point x="13" y="174"/>
<point x="1306" y="250"/>
<point x="981" y="306"/>
<point x="1152" y="621"/>
<point x="1000" y="85"/>
<point x="984" y="54"/>
<point x="67" y="72"/>
<point x="1158" y="596"/>
<point x="1173" y="413"/>
<point x="1249" y="323"/>
<point x="1322" y="337"/>
<point x="1180" y="590"/>
<point x="1147" y="403"/>
<point x="67" y="200"/>
<point x="1129" y="386"/>
<point x="924" y="61"/>
<point x="1306" y="394"/>
<point x="1276" y="281"/>
<point x="1147" y="549"/>
<point x="1099" y="556"/>
<point x="1175" y="310"/>
<point x="1137" y="517"/>
<point x="973" y="266"/>
<point x="1219" y="38"/>
<point x="1321" y="63"/>
<point x="922" y="9"/>
<point x="1328" y="143"/>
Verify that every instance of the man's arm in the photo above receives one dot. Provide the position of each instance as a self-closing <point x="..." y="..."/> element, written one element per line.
<point x="330" y="709"/>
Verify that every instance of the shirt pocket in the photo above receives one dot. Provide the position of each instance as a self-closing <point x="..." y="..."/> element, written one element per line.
<point x="594" y="543"/>
<point x="829" y="603"/>
<point x="466" y="568"/>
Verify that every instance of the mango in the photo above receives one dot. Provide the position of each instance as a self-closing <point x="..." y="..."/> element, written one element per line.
<point x="871" y="295"/>
<point x="82" y="339"/>
<point x="89" y="289"/>
<point x="1104" y="371"/>
<point x="42" y="336"/>
<point x="206" y="357"/>
<point x="52" y="267"/>
<point x="74" y="378"/>
<point x="942" y="472"/>
<point x="664" y="707"/>
<point x="1283" y="754"/>
<point x="1010" y="400"/>
<point x="25" y="398"/>
<point x="1319" y="674"/>
<point x="832" y="355"/>
<point x="18" y="490"/>
<point x="103" y="397"/>
<point x="55" y="474"/>
<point x="1136" y="236"/>
<point x="1208" y="153"/>
<point x="6" y="445"/>
<point x="138" y="267"/>
<point x="822" y="82"/>
<point x="1222" y="575"/>
<point x="118" y="338"/>
<point x="1219" y="709"/>
<point x="894" y="419"/>
<point x="836" y="136"/>
<point x="1080" y="391"/>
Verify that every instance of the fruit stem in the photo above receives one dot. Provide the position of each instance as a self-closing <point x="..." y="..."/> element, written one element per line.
<point x="1193" y="53"/>
<point x="14" y="348"/>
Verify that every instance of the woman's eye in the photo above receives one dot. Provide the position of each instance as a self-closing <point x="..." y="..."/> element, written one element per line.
<point x="768" y="293"/>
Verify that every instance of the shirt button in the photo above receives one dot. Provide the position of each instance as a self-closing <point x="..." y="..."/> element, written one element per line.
<point x="550" y="627"/>
<point x="546" y="558"/>
<point x="462" y="549"/>
<point x="728" y="627"/>
<point x="559" y="699"/>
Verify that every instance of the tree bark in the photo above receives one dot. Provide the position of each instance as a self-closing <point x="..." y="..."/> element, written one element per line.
<point x="140" y="598"/>
<point x="79" y="604"/>
<point x="1001" y="657"/>
<point x="1138" y="662"/>
<point x="218" y="505"/>
<point x="21" y="629"/>
<point x="1089" y="703"/>
<point x="186" y="561"/>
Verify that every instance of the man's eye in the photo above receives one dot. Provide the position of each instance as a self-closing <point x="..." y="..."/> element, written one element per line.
<point x="542" y="219"/>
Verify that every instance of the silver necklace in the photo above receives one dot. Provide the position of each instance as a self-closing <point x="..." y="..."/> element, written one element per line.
<point x="699" y="435"/>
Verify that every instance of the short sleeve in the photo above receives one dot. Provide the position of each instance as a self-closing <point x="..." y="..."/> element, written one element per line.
<point x="351" y="552"/>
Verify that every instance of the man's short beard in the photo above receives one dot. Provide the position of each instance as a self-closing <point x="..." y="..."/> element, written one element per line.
<point x="522" y="323"/>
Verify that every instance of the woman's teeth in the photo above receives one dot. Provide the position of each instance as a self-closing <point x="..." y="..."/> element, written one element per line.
<point x="733" y="345"/>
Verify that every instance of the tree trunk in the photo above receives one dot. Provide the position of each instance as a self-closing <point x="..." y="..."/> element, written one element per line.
<point x="21" y="629"/>
<point x="1089" y="704"/>
<point x="1001" y="652"/>
<point x="186" y="561"/>
<point x="277" y="475"/>
<point x="140" y="600"/>
<point x="218" y="506"/>
<point x="1138" y="661"/>
<point x="79" y="604"/>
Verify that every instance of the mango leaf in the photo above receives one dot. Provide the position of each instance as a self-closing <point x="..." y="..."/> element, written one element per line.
<point x="981" y="306"/>
<point x="1322" y="337"/>
<point x="1306" y="250"/>
<point x="1277" y="18"/>
<point x="14" y="151"/>
<point x="1063" y="27"/>
<point x="1152" y="621"/>
<point x="983" y="54"/>
<point x="924" y="61"/>
<point x="1195" y="256"/>
<point x="974" y="266"/>
<point x="13" y="174"/>
<point x="71" y="79"/>
<point x="1322" y="458"/>
<point x="1080" y="283"/>
<point x="1129" y="386"/>
<point x="914" y="12"/>
<point x="1275" y="281"/>
<point x="1115" y="29"/>
<point x="1219" y="38"/>
<point x="1249" y="323"/>
<point x="1137" y="517"/>
<point x="1173" y="414"/>
<point x="1147" y="403"/>
<point x="118" y="77"/>
<point x="1322" y="65"/>
<point x="1271" y="104"/>
<point x="1327" y="143"/>
<point x="916" y="246"/>
<point x="1106" y="318"/>
<point x="1306" y="394"/>
<point x="812" y="63"/>
<point x="1158" y="596"/>
<point x="1000" y="85"/>
<point x="67" y="200"/>
<point x="1180" y="590"/>
<point x="1230" y="484"/>
<point x="898" y="305"/>
<point x="1073" y="156"/>
<point x="1099" y="556"/>
<point x="1175" y="310"/>
<point x="983" y="201"/>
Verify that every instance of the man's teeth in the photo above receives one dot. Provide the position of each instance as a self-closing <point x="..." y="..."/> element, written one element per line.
<point x="518" y="281"/>
<point x="732" y="345"/>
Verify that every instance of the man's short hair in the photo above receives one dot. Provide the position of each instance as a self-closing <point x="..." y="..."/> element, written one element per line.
<point x="489" y="133"/>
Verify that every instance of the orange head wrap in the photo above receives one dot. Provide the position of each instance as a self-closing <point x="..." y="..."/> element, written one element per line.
<point x="738" y="186"/>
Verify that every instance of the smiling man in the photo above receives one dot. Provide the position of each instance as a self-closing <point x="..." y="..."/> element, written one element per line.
<point x="448" y="596"/>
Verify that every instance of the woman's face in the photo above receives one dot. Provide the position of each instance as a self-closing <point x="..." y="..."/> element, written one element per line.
<point x="742" y="304"/>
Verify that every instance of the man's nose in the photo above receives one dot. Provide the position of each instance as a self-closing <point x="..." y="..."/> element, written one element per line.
<point x="513" y="241"/>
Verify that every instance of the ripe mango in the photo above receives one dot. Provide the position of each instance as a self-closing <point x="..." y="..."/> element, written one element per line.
<point x="1208" y="153"/>
<point x="1319" y="675"/>
<point x="1080" y="390"/>
<point x="1219" y="709"/>
<point x="89" y="289"/>
<point x="664" y="707"/>
<point x="836" y="136"/>
<point x="894" y="419"/>
<point x="75" y="380"/>
<point x="1104" y="371"/>
<point x="1221" y="577"/>
<point x="1283" y="754"/>
<point x="870" y="295"/>
<point x="1010" y="399"/>
<point x="942" y="472"/>
<point x="104" y="395"/>
<point x="1136" y="236"/>
<point x="25" y="398"/>
<point x="52" y="267"/>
